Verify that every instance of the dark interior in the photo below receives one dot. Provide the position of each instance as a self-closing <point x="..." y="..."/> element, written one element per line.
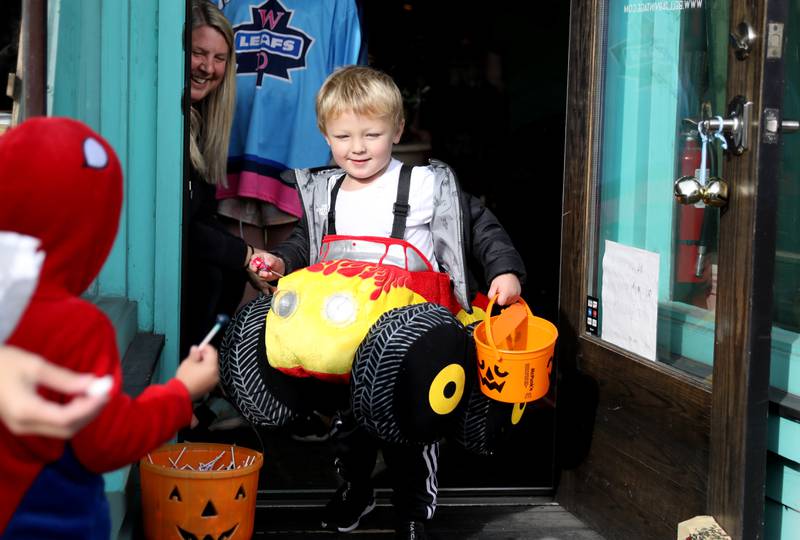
<point x="485" y="92"/>
<point x="10" y="16"/>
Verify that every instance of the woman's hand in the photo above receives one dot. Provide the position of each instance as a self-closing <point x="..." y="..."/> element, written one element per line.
<point x="25" y="412"/>
<point x="260" y="276"/>
<point x="507" y="288"/>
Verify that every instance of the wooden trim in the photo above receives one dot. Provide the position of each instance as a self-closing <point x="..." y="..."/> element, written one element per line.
<point x="577" y="175"/>
<point x="34" y="47"/>
<point x="169" y="208"/>
<point x="738" y="448"/>
<point x="646" y="468"/>
<point x="680" y="406"/>
<point x="186" y="105"/>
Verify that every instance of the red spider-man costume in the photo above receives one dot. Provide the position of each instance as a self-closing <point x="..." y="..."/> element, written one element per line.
<point x="61" y="183"/>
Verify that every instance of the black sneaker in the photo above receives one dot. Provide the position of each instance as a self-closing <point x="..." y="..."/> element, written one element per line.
<point x="348" y="505"/>
<point x="411" y="530"/>
<point x="311" y="428"/>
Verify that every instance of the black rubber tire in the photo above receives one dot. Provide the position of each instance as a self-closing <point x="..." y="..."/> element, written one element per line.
<point x="243" y="366"/>
<point x="394" y="367"/>
<point x="482" y="422"/>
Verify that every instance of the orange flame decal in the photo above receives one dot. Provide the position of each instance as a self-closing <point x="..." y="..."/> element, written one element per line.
<point x="385" y="277"/>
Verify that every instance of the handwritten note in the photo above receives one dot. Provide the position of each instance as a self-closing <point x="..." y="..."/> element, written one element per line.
<point x="629" y="298"/>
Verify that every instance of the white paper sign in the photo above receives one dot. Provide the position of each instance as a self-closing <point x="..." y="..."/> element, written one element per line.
<point x="20" y="264"/>
<point x="629" y="300"/>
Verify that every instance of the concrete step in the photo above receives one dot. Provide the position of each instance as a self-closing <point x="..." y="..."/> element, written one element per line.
<point x="138" y="365"/>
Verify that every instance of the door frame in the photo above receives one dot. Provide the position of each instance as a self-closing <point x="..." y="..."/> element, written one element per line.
<point x="29" y="84"/>
<point x="702" y="450"/>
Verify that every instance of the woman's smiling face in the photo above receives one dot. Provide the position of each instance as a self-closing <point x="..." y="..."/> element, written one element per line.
<point x="209" y="59"/>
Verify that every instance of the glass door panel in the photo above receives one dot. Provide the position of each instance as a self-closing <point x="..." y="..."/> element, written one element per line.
<point x="654" y="276"/>
<point x="786" y="304"/>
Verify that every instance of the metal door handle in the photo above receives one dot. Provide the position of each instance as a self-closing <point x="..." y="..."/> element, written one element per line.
<point x="735" y="127"/>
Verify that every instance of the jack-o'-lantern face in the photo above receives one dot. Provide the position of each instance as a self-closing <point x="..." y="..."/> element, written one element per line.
<point x="199" y="491"/>
<point x="492" y="376"/>
<point x="200" y="516"/>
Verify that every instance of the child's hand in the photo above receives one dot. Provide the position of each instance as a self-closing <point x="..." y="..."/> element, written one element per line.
<point x="199" y="371"/>
<point x="25" y="412"/>
<point x="507" y="288"/>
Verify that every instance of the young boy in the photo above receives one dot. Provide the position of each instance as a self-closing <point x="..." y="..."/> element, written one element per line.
<point x="62" y="184"/>
<point x="360" y="113"/>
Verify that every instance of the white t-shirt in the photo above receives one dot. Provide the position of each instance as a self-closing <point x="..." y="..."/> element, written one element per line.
<point x="368" y="211"/>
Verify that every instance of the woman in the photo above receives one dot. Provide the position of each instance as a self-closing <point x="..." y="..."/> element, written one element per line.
<point x="216" y="267"/>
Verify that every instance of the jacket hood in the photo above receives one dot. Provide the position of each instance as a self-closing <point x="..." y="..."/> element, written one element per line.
<point x="61" y="182"/>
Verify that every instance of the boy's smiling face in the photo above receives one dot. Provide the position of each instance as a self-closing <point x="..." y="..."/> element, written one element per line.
<point x="362" y="145"/>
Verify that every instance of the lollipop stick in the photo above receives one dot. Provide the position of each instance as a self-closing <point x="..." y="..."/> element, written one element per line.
<point x="274" y="272"/>
<point x="222" y="320"/>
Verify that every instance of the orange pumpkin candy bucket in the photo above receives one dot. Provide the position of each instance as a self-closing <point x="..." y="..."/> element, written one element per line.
<point x="515" y="353"/>
<point x="179" y="500"/>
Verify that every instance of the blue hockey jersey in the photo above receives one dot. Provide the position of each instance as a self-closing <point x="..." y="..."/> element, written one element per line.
<point x="284" y="51"/>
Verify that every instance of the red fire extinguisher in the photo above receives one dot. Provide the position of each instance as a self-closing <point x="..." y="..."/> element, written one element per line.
<point x="690" y="217"/>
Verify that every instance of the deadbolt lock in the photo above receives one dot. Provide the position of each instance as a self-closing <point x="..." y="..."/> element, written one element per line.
<point x="742" y="40"/>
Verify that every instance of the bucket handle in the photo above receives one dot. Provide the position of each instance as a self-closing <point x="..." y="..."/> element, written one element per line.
<point x="520" y="301"/>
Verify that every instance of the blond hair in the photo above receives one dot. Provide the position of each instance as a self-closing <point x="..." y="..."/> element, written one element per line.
<point x="211" y="119"/>
<point x="362" y="90"/>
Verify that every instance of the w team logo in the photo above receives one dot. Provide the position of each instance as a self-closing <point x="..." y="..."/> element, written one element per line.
<point x="267" y="45"/>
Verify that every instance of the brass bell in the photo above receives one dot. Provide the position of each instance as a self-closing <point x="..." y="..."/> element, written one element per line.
<point x="688" y="190"/>
<point x="716" y="192"/>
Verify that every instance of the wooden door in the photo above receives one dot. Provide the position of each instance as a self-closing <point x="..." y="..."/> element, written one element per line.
<point x="663" y="391"/>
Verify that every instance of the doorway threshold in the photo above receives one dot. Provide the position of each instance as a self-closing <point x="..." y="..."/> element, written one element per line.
<point x="317" y="498"/>
<point x="538" y="518"/>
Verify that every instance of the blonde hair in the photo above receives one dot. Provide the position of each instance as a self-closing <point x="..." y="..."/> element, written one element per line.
<point x="211" y="119"/>
<point x="362" y="90"/>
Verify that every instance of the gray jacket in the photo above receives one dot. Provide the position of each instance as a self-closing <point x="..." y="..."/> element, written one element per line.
<point x="461" y="227"/>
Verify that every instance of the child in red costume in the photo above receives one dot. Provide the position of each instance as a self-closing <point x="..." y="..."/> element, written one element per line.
<point x="62" y="183"/>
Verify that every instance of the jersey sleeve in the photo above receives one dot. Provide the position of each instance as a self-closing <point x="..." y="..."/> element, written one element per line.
<point x="349" y="47"/>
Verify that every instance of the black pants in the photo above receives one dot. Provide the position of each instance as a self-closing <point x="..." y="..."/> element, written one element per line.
<point x="412" y="468"/>
<point x="208" y="291"/>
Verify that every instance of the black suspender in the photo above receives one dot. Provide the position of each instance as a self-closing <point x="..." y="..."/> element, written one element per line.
<point x="332" y="205"/>
<point x="400" y="209"/>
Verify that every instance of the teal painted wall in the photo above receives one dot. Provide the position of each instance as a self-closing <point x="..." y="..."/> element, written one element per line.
<point x="782" y="509"/>
<point x="168" y="141"/>
<point x="118" y="66"/>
